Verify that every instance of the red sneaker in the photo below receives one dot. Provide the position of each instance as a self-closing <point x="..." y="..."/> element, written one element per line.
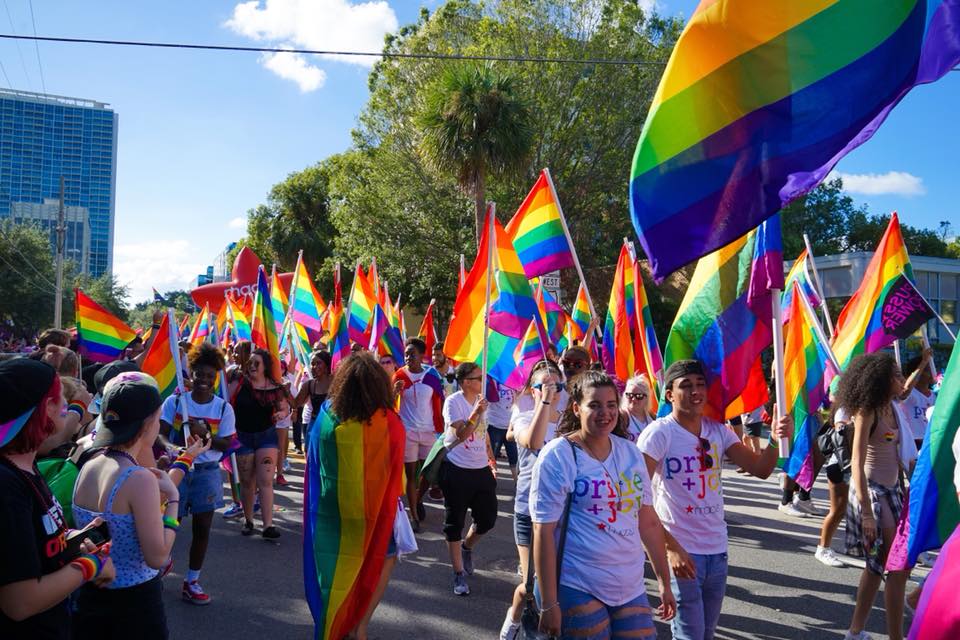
<point x="193" y="593"/>
<point x="281" y="480"/>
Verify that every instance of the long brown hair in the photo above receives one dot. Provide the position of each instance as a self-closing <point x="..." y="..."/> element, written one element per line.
<point x="360" y="388"/>
<point x="577" y="387"/>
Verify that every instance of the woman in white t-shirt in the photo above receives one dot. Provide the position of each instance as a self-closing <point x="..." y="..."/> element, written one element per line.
<point x="635" y="405"/>
<point x="598" y="590"/>
<point x="467" y="477"/>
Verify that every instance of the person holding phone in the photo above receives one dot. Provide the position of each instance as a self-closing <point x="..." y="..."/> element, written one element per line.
<point x="37" y="570"/>
<point x="201" y="490"/>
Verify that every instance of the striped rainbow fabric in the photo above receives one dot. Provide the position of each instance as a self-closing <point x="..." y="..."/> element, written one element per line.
<point x="263" y="331"/>
<point x="859" y="328"/>
<point x="201" y="328"/>
<point x="799" y="273"/>
<point x="514" y="303"/>
<point x="101" y="336"/>
<point x="528" y="352"/>
<point x="580" y="314"/>
<point x="537" y="232"/>
<point x="807" y="377"/>
<point x="159" y="360"/>
<point x="239" y="320"/>
<point x="428" y="332"/>
<point x="361" y="305"/>
<point x="339" y="338"/>
<point x="647" y="355"/>
<point x="618" y="354"/>
<point x="278" y="300"/>
<point x="760" y="100"/>
<point x="352" y="484"/>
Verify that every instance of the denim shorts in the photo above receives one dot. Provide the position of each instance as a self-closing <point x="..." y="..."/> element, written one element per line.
<point x="253" y="442"/>
<point x="201" y="490"/>
<point x="631" y="619"/>
<point x="522" y="529"/>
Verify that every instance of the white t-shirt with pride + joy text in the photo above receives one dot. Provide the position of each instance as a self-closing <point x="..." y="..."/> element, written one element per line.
<point x="472" y="452"/>
<point x="603" y="555"/>
<point x="687" y="495"/>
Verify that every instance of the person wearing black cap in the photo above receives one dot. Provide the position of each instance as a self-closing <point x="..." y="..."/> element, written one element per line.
<point x="140" y="507"/>
<point x="35" y="577"/>
<point x="683" y="452"/>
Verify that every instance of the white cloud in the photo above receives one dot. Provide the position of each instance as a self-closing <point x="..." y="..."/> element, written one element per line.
<point x="237" y="223"/>
<point x="294" y="66"/>
<point x="329" y="25"/>
<point x="164" y="264"/>
<point x="898" y="183"/>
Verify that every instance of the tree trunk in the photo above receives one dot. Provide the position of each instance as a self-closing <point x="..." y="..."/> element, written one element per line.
<point x="479" y="194"/>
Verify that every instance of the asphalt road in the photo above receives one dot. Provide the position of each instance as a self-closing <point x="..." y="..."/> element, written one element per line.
<point x="776" y="589"/>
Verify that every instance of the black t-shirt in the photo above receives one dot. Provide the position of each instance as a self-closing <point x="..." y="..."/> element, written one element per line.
<point x="32" y="538"/>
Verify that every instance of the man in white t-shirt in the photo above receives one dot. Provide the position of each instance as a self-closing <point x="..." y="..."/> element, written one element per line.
<point x="498" y="421"/>
<point x="918" y="397"/>
<point x="684" y="452"/>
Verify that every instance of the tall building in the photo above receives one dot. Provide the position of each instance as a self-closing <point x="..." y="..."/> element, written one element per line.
<point x="76" y="246"/>
<point x="43" y="137"/>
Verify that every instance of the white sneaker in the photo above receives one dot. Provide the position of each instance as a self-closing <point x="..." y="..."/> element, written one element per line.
<point x="791" y="510"/>
<point x="828" y="557"/>
<point x="806" y="506"/>
<point x="863" y="635"/>
<point x="510" y="629"/>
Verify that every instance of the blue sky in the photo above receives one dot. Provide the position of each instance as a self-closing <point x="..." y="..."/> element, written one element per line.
<point x="204" y="135"/>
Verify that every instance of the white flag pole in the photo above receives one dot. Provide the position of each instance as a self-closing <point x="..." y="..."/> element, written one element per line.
<point x="491" y="241"/>
<point x="818" y="284"/>
<point x="175" y="351"/>
<point x="778" y="366"/>
<point x="817" y="329"/>
<point x="573" y="250"/>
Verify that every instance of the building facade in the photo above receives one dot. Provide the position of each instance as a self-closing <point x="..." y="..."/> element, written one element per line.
<point x="46" y="215"/>
<point x="44" y="137"/>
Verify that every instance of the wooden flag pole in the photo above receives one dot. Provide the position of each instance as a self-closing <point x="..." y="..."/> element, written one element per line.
<point x="778" y="366"/>
<point x="573" y="250"/>
<point x="491" y="241"/>
<point x="818" y="284"/>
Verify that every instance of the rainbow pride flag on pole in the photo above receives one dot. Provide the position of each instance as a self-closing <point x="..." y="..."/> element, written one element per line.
<point x="238" y="320"/>
<point x="160" y="360"/>
<point x="352" y="485"/>
<point x="428" y="331"/>
<point x="201" y="328"/>
<point x="760" y="100"/>
<point x="528" y="352"/>
<point x="618" y="354"/>
<point x="278" y="300"/>
<point x="263" y="332"/>
<point x="361" y="306"/>
<point x="513" y="302"/>
<point x="799" y="273"/>
<point x="101" y="336"/>
<point x="339" y="340"/>
<point x="649" y="359"/>
<point x="538" y="232"/>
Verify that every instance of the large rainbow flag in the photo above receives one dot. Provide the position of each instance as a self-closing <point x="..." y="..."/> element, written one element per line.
<point x="760" y="100"/>
<point x="807" y="377"/>
<point x="160" y="360"/>
<point x="361" y="304"/>
<point x="618" y="353"/>
<point x="278" y="301"/>
<point x="537" y="230"/>
<point x="647" y="354"/>
<point x="238" y="320"/>
<point x="263" y="332"/>
<point x="339" y="340"/>
<point x="352" y="485"/>
<point x="101" y="336"/>
<point x="723" y="326"/>
<point x="513" y="302"/>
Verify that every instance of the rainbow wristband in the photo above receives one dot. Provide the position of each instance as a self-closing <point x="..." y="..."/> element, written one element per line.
<point x="89" y="565"/>
<point x="169" y="522"/>
<point x="77" y="407"/>
<point x="179" y="464"/>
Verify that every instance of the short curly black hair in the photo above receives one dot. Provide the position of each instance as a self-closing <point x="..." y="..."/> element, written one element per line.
<point x="866" y="384"/>
<point x="206" y="355"/>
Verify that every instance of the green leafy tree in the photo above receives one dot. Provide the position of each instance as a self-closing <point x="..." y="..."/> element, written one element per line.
<point x="474" y="125"/>
<point x="26" y="278"/>
<point x="142" y="313"/>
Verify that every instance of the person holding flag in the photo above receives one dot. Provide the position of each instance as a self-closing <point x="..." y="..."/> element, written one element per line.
<point x="209" y="417"/>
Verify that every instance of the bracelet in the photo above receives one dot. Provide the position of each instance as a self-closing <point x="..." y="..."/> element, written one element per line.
<point x="544" y="402"/>
<point x="773" y="443"/>
<point x="182" y="463"/>
<point x="172" y="502"/>
<point x="169" y="522"/>
<point x="89" y="565"/>
<point x="555" y="604"/>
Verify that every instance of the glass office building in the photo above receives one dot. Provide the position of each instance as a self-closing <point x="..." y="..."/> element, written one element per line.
<point x="43" y="137"/>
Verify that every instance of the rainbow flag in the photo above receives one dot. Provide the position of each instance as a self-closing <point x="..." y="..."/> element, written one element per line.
<point x="263" y="332"/>
<point x="184" y="330"/>
<point x="160" y="360"/>
<point x="934" y="512"/>
<point x="537" y="230"/>
<point x="385" y="338"/>
<point x="278" y="300"/>
<point x="724" y="321"/>
<point x="239" y="321"/>
<point x="339" y="340"/>
<point x="361" y="306"/>
<point x="514" y="301"/>
<point x="555" y="318"/>
<point x="201" y="328"/>
<point x="306" y="306"/>
<point x="101" y="336"/>
<point x="618" y="354"/>
<point x="807" y="377"/>
<point x="938" y="617"/>
<point x="799" y="273"/>
<point x="580" y="314"/>
<point x="647" y="354"/>
<point x="758" y="103"/>
<point x="428" y="331"/>
<point x="529" y="351"/>
<point x="352" y="485"/>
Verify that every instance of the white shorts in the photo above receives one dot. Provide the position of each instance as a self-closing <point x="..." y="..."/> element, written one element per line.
<point x="418" y="445"/>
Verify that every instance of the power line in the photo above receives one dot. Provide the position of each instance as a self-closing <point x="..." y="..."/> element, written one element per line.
<point x="36" y="45"/>
<point x="25" y="259"/>
<point x="19" y="51"/>
<point x="26" y="279"/>
<point x="375" y="54"/>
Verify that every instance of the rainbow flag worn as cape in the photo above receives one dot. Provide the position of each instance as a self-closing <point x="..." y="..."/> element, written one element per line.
<point x="618" y="354"/>
<point x="537" y="232"/>
<point x="352" y="485"/>
<point x="724" y="320"/>
<point x="807" y="377"/>
<point x="428" y="332"/>
<point x="263" y="332"/>
<point x="101" y="336"/>
<point x="933" y="511"/>
<point x="160" y="360"/>
<point x="760" y="100"/>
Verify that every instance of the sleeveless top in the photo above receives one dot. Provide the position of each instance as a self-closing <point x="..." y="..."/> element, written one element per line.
<point x="882" y="463"/>
<point x="254" y="408"/>
<point x="125" y="551"/>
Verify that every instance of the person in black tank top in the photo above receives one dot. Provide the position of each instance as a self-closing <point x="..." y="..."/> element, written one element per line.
<point x="313" y="393"/>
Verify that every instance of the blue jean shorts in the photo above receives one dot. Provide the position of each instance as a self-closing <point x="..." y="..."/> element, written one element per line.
<point x="253" y="442"/>
<point x="201" y="490"/>
<point x="632" y="619"/>
<point x="522" y="529"/>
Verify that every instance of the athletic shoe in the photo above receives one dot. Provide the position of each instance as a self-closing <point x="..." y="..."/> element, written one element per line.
<point x="281" y="481"/>
<point x="235" y="511"/>
<point x="193" y="593"/>
<point x="460" y="587"/>
<point x="467" y="555"/>
<point x="828" y="557"/>
<point x="299" y="452"/>
<point x="167" y="569"/>
<point x="806" y="506"/>
<point x="421" y="511"/>
<point x="791" y="510"/>
<point x="510" y="629"/>
<point x="863" y="635"/>
<point x="247" y="529"/>
<point x="270" y="533"/>
<point x="286" y="464"/>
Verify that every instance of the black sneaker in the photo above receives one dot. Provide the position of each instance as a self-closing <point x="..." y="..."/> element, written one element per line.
<point x="248" y="529"/>
<point x="421" y="511"/>
<point x="270" y="533"/>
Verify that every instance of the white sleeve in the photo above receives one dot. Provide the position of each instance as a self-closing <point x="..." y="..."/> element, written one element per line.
<point x="552" y="482"/>
<point x="450" y="411"/>
<point x="168" y="411"/>
<point x="653" y="441"/>
<point x="521" y="421"/>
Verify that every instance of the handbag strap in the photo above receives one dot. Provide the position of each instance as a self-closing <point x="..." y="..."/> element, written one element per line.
<point x="566" y="515"/>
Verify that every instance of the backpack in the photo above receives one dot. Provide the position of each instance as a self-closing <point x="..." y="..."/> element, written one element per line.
<point x="60" y="474"/>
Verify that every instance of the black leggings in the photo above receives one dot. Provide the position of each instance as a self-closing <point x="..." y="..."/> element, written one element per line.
<point x="474" y="489"/>
<point x="115" y="614"/>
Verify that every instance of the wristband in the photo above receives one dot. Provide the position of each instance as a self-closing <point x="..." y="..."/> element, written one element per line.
<point x="555" y="604"/>
<point x="77" y="408"/>
<point x="182" y="463"/>
<point x="89" y="565"/>
<point x="544" y="402"/>
<point x="772" y="442"/>
<point x="169" y="522"/>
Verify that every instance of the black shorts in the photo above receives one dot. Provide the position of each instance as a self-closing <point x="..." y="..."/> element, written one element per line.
<point x="836" y="474"/>
<point x="113" y="614"/>
<point x="473" y="489"/>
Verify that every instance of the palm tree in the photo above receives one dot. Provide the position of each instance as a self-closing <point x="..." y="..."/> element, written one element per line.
<point x="475" y="124"/>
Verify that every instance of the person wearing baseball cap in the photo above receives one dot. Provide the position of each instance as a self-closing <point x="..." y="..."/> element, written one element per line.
<point x="35" y="576"/>
<point x="684" y="451"/>
<point x="140" y="506"/>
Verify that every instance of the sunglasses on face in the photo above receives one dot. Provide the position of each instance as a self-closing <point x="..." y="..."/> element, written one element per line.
<point x="706" y="460"/>
<point x="539" y="385"/>
<point x="574" y="364"/>
<point x="635" y="396"/>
